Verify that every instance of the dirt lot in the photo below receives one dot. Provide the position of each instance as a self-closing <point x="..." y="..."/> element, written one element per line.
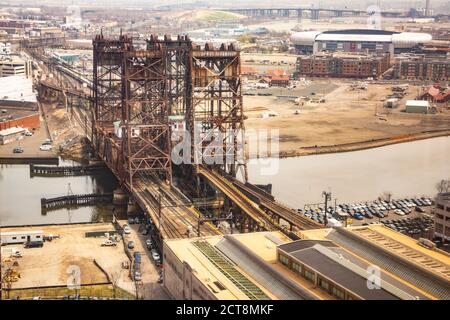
<point x="348" y="120"/>
<point x="49" y="265"/>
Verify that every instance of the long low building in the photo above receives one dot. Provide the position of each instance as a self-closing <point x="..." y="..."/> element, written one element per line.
<point x="18" y="103"/>
<point x="358" y="40"/>
<point x="343" y="65"/>
<point x="363" y="263"/>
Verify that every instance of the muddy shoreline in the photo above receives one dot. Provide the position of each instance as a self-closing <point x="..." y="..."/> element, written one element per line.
<point x="361" y="145"/>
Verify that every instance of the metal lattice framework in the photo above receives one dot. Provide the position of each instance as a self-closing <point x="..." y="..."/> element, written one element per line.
<point x="146" y="130"/>
<point x="177" y="55"/>
<point x="107" y="95"/>
<point x="135" y="91"/>
<point x="216" y="118"/>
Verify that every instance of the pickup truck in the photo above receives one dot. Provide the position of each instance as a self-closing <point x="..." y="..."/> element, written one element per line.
<point x="108" y="243"/>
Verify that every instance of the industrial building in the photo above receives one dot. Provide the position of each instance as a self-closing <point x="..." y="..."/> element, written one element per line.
<point x="21" y="237"/>
<point x="11" y="134"/>
<point x="358" y="40"/>
<point x="417" y="106"/>
<point x="15" y="66"/>
<point x="442" y="216"/>
<point x="423" y="68"/>
<point x="343" y="65"/>
<point x="424" y="269"/>
<point x="18" y="103"/>
<point x="325" y="264"/>
<point x="436" y="94"/>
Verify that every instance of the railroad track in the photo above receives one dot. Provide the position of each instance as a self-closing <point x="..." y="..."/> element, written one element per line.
<point x="241" y="200"/>
<point x="268" y="202"/>
<point x="179" y="218"/>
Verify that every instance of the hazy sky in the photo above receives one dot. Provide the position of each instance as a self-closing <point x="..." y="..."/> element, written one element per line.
<point x="241" y="3"/>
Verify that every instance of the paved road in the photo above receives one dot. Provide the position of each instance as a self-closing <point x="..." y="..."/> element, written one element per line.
<point x="150" y="289"/>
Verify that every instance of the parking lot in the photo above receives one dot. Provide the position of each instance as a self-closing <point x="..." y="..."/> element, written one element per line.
<point x="375" y="212"/>
<point x="30" y="146"/>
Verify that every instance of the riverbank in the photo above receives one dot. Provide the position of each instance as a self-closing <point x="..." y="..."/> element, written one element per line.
<point x="403" y="170"/>
<point x="363" y="145"/>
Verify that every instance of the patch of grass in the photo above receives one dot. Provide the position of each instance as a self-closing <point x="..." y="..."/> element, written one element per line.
<point x="217" y="15"/>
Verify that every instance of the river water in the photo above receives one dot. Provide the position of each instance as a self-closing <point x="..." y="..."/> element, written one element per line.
<point x="405" y="170"/>
<point x="20" y="196"/>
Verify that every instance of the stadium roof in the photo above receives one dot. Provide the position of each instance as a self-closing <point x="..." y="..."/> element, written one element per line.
<point x="399" y="39"/>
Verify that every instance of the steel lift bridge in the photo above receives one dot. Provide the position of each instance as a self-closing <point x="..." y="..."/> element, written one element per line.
<point x="135" y="95"/>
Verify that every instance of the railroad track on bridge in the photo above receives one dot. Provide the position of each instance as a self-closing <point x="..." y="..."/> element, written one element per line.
<point x="242" y="201"/>
<point x="268" y="202"/>
<point x="178" y="218"/>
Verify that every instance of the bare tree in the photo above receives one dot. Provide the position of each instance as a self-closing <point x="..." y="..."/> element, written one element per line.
<point x="114" y="278"/>
<point x="443" y="186"/>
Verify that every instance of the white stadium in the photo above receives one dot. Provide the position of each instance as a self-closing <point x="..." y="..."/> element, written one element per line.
<point x="358" y="40"/>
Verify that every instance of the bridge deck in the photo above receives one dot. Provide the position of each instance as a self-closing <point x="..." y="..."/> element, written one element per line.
<point x="283" y="211"/>
<point x="242" y="201"/>
<point x="175" y="218"/>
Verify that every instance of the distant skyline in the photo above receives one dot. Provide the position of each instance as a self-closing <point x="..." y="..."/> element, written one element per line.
<point x="404" y="4"/>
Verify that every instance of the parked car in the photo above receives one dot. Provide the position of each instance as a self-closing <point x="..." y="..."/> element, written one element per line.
<point x="130" y="245"/>
<point x="34" y="244"/>
<point x="126" y="229"/>
<point x="155" y="255"/>
<point x="137" y="276"/>
<point x="149" y="244"/>
<point x="17" y="150"/>
<point x="108" y="243"/>
<point x="419" y="209"/>
<point x="45" y="147"/>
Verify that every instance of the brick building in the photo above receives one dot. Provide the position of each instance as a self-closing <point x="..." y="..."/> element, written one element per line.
<point x="423" y="68"/>
<point x="341" y="65"/>
<point x="442" y="216"/>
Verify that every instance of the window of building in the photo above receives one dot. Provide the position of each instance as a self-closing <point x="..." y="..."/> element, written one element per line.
<point x="324" y="284"/>
<point x="440" y="206"/>
<point x="309" y="275"/>
<point x="284" y="260"/>
<point x="14" y="238"/>
<point x="297" y="267"/>
<point x="338" y="293"/>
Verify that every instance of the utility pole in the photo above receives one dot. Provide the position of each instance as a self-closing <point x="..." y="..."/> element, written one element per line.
<point x="327" y="196"/>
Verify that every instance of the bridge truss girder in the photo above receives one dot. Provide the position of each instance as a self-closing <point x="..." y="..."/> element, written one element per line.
<point x="216" y="118"/>
<point x="107" y="97"/>
<point x="145" y="123"/>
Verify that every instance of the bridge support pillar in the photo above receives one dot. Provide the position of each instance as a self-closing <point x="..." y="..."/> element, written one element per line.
<point x="315" y="14"/>
<point x="132" y="206"/>
<point x="120" y="197"/>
